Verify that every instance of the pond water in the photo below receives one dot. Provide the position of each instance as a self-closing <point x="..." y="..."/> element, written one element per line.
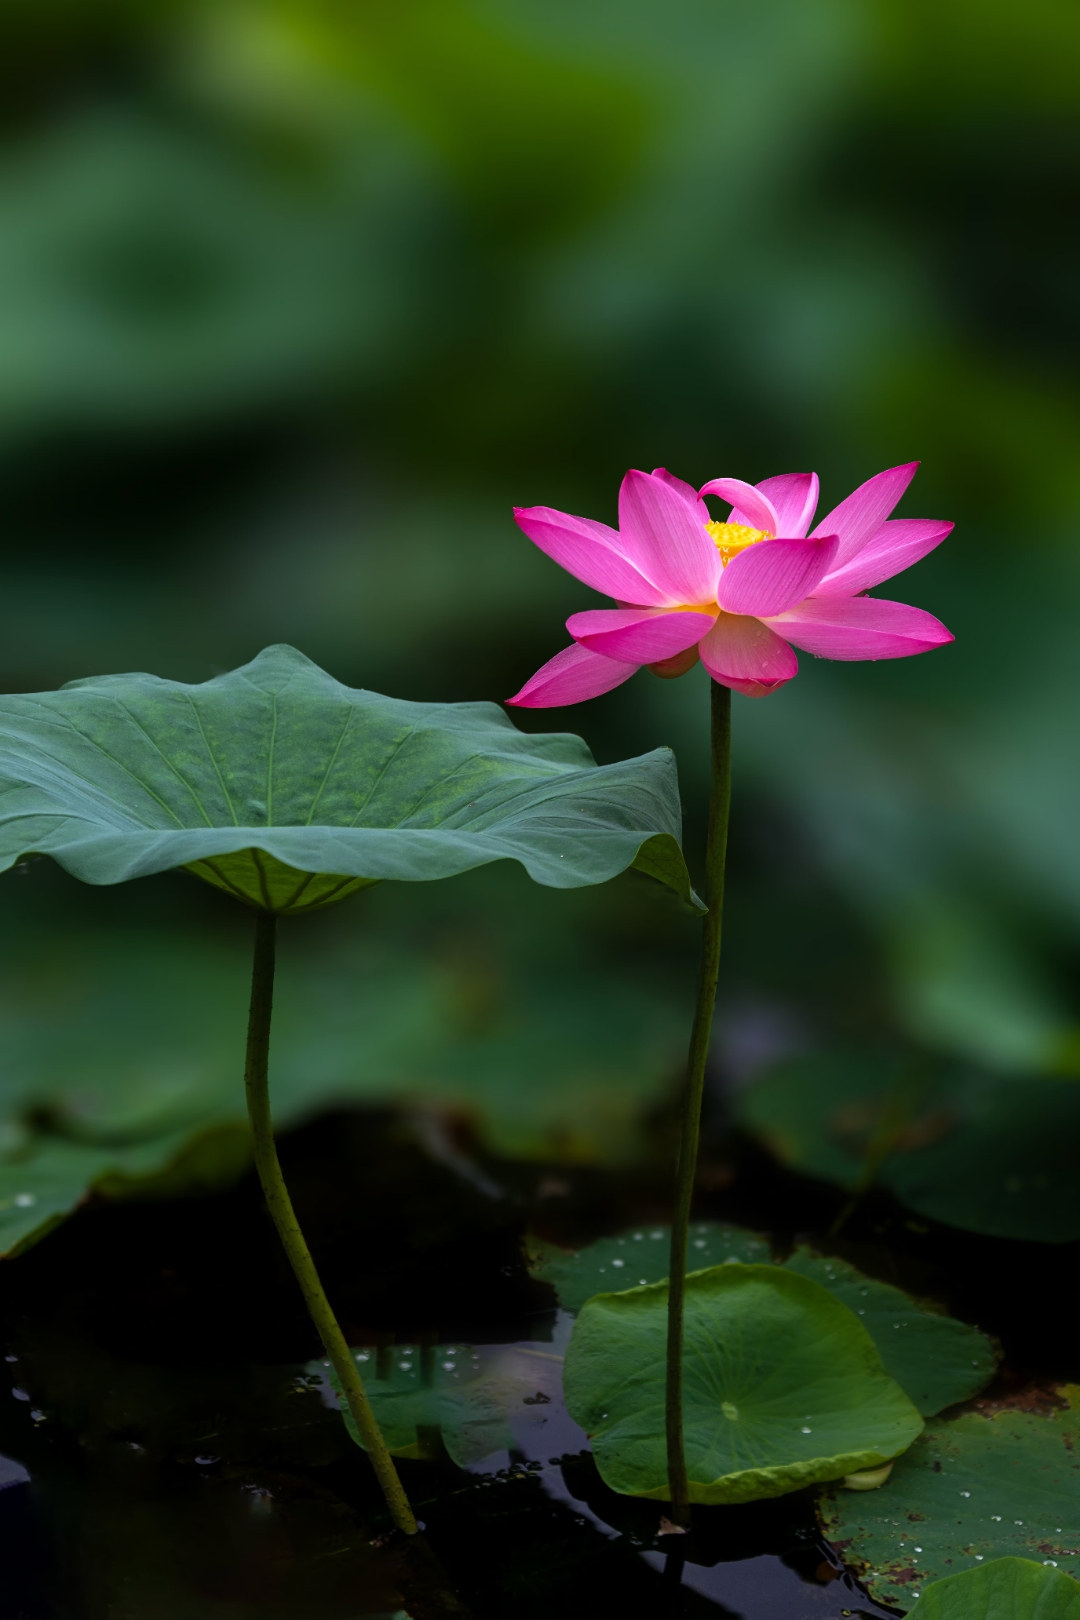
<point x="165" y="1455"/>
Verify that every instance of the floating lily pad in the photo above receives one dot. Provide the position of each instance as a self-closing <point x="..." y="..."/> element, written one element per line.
<point x="783" y="1387"/>
<point x="1006" y="1589"/>
<point x="937" y="1360"/>
<point x="989" y="1153"/>
<point x="421" y="1397"/>
<point x="971" y="1489"/>
<point x="639" y="1256"/>
<point x="290" y="791"/>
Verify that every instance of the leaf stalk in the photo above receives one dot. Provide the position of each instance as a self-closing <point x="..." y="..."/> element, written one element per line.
<point x="256" y="1082"/>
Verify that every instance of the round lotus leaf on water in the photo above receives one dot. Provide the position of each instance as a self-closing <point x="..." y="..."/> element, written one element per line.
<point x="290" y="791"/>
<point x="937" y="1360"/>
<point x="640" y="1255"/>
<point x="976" y="1488"/>
<point x="782" y="1387"/>
<point x="993" y="1154"/>
<point x="1006" y="1589"/>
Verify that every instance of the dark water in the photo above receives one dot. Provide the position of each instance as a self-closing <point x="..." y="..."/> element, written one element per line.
<point x="164" y="1460"/>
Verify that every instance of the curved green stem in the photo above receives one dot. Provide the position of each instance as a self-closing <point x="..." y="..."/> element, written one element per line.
<point x="715" y="854"/>
<point x="280" y="1205"/>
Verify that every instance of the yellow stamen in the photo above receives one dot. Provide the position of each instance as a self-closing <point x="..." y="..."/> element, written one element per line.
<point x="731" y="538"/>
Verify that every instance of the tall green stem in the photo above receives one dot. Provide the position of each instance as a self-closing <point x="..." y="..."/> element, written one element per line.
<point x="280" y="1204"/>
<point x="715" y="854"/>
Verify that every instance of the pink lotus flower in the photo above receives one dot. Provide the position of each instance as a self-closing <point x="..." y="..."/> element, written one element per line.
<point x="739" y="594"/>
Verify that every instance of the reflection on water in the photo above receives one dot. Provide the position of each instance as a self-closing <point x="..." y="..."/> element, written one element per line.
<point x="171" y="1457"/>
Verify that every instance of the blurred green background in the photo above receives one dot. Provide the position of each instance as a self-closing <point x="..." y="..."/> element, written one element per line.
<point x="298" y="298"/>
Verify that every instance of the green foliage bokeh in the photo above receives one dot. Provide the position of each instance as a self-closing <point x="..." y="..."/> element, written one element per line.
<point x="296" y="300"/>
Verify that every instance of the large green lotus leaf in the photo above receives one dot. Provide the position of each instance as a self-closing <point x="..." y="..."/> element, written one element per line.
<point x="289" y="790"/>
<point x="990" y="1153"/>
<point x="1006" y="1589"/>
<point x="971" y="1489"/>
<point x="782" y="1387"/>
<point x="108" y="1084"/>
<point x="423" y="1397"/>
<point x="937" y="1360"/>
<point x="639" y="1256"/>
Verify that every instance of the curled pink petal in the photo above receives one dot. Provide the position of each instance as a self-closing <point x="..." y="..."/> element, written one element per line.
<point x="572" y="676"/>
<point x="755" y="509"/>
<point x="774" y="575"/>
<point x="793" y="497"/>
<point x="640" y="636"/>
<point x="861" y="515"/>
<point x="858" y="627"/>
<point x="746" y="655"/>
<point x="897" y="544"/>
<point x="590" y="551"/>
<point x="687" y="491"/>
<point x="665" y="540"/>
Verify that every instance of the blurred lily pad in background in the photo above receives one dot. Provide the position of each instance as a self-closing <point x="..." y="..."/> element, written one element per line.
<point x="991" y="1153"/>
<point x="123" y="1047"/>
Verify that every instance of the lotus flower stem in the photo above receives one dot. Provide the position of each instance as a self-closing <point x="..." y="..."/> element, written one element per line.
<point x="280" y="1204"/>
<point x="715" y="856"/>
